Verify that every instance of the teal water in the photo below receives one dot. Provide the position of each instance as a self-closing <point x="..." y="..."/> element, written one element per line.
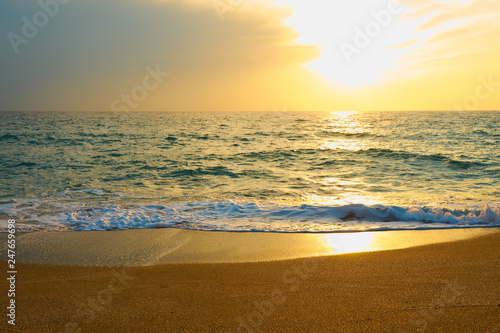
<point x="277" y="171"/>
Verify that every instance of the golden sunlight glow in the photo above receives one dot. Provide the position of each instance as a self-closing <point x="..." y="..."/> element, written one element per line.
<point x="349" y="243"/>
<point x="380" y="55"/>
<point x="352" y="145"/>
<point x="341" y="243"/>
<point x="364" y="55"/>
<point x="343" y="114"/>
<point x="357" y="45"/>
<point x="345" y="198"/>
<point x="344" y="123"/>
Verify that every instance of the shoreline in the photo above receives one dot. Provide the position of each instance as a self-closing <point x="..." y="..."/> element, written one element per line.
<point x="145" y="247"/>
<point x="441" y="287"/>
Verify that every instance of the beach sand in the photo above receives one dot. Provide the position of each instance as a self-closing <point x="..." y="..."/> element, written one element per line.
<point x="443" y="287"/>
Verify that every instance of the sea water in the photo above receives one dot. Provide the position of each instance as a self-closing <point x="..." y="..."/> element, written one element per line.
<point x="250" y="171"/>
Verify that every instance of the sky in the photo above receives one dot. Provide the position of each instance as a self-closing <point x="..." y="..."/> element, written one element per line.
<point x="244" y="55"/>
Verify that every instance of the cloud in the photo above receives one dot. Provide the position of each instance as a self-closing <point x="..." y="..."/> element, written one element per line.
<point x="255" y="56"/>
<point x="405" y="44"/>
<point x="451" y="28"/>
<point x="93" y="51"/>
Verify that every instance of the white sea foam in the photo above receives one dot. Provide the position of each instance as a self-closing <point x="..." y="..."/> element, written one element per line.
<point x="36" y="215"/>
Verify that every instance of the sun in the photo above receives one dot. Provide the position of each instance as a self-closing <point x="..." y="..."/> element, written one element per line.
<point x="357" y="38"/>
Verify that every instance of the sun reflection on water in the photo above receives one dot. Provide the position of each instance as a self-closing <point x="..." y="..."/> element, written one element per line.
<point x="346" y="197"/>
<point x="352" y="145"/>
<point x="344" y="124"/>
<point x="343" y="114"/>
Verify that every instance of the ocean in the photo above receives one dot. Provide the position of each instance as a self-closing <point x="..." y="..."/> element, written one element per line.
<point x="250" y="171"/>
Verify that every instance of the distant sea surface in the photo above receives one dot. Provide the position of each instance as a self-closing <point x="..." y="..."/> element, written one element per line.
<point x="276" y="171"/>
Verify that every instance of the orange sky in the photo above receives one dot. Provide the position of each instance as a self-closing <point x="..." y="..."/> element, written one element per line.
<point x="260" y="55"/>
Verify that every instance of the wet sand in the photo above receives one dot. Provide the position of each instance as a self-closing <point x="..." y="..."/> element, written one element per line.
<point x="144" y="247"/>
<point x="443" y="287"/>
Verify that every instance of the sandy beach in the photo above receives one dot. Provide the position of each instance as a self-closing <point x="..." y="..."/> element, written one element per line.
<point x="444" y="287"/>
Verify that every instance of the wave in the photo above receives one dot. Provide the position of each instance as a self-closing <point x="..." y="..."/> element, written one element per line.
<point x="171" y="138"/>
<point x="332" y="133"/>
<point x="24" y="164"/>
<point x="7" y="136"/>
<point x="207" y="171"/>
<point x="377" y="153"/>
<point x="240" y="216"/>
<point x="438" y="158"/>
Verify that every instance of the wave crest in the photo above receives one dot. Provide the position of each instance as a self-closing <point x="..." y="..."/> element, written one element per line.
<point x="244" y="216"/>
